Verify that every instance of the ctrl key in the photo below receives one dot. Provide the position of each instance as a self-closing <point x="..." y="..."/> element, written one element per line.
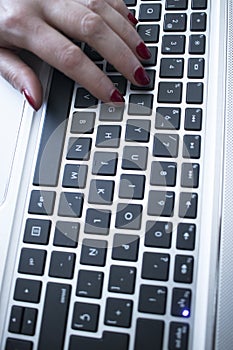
<point x="16" y="344"/>
<point x="178" y="337"/>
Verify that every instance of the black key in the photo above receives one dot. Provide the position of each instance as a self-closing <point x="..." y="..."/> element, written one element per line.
<point x="75" y="176"/>
<point x="32" y="261"/>
<point x="79" y="148"/>
<point x="93" y="252"/>
<point x="66" y="234"/>
<point x="158" y="234"/>
<point x="199" y="4"/>
<point x="134" y="158"/>
<point x="41" y="202"/>
<point x="16" y="318"/>
<point x="16" y="344"/>
<point x="119" y="82"/>
<point x="194" y="93"/>
<point x="97" y="221"/>
<point x="183" y="272"/>
<point x="128" y="216"/>
<point x="85" y="317"/>
<point x="54" y="129"/>
<point x="176" y="4"/>
<point x="167" y="118"/>
<point x="193" y="119"/>
<point x="170" y="92"/>
<point x="188" y="205"/>
<point x="173" y="44"/>
<point x="155" y="266"/>
<point x="118" y="312"/>
<point x="192" y="146"/>
<point x="37" y="231"/>
<point x="175" y="22"/>
<point x="190" y="175"/>
<point x="179" y="333"/>
<point x="166" y="145"/>
<point x="110" y="340"/>
<point x="111" y="113"/>
<point x="92" y="53"/>
<point x="53" y="329"/>
<point x="161" y="203"/>
<point x="122" y="279"/>
<point x="137" y="130"/>
<point x="198" y="22"/>
<point x="90" y="284"/>
<point x="108" y="136"/>
<point x="132" y="186"/>
<point x="125" y="247"/>
<point x="27" y="290"/>
<point x="84" y="99"/>
<point x="172" y="68"/>
<point x="196" y="68"/>
<point x="149" y="32"/>
<point x="62" y="265"/>
<point x="105" y="163"/>
<point x="181" y="302"/>
<point x="148" y="87"/>
<point x="152" y="299"/>
<point x="186" y="234"/>
<point x="101" y="192"/>
<point x="149" y="12"/>
<point x="130" y="2"/>
<point x="71" y="204"/>
<point x="83" y="122"/>
<point x="140" y="104"/>
<point x="197" y="44"/>
<point x="29" y="321"/>
<point x="149" y="331"/>
<point x="163" y="174"/>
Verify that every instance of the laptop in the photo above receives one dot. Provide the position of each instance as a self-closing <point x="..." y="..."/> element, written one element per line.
<point x="116" y="221"/>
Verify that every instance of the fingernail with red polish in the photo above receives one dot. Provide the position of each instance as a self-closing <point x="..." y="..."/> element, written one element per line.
<point x="132" y="19"/>
<point x="141" y="76"/>
<point x="29" y="98"/>
<point x="143" y="51"/>
<point x="116" y="97"/>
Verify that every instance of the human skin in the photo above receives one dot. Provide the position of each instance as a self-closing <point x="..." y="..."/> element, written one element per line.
<point x="44" y="27"/>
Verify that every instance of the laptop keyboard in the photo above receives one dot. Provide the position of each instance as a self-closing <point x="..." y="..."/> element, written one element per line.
<point x="109" y="250"/>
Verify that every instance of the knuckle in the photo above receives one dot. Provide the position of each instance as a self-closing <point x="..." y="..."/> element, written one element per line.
<point x="14" y="19"/>
<point x="94" y="5"/>
<point x="91" y="24"/>
<point x="68" y="57"/>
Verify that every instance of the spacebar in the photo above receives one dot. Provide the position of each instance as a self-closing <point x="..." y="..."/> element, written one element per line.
<point x="54" y="129"/>
<point x="110" y="340"/>
<point x="54" y="319"/>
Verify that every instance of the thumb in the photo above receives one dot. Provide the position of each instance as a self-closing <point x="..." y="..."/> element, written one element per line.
<point x="21" y="77"/>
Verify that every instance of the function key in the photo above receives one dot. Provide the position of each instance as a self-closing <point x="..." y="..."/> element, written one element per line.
<point x="176" y="4"/>
<point x="85" y="317"/>
<point x="161" y="203"/>
<point x="175" y="22"/>
<point x="190" y="175"/>
<point x="163" y="174"/>
<point x="170" y="92"/>
<point x="188" y="205"/>
<point x="150" y="12"/>
<point x="194" y="93"/>
<point x="166" y="145"/>
<point x="186" y="234"/>
<point x="178" y="334"/>
<point x="197" y="44"/>
<point x="198" y="22"/>
<point x="125" y="247"/>
<point x="199" y="4"/>
<point x="193" y="119"/>
<point x="192" y="146"/>
<point x="151" y="330"/>
<point x="90" y="284"/>
<point x="181" y="302"/>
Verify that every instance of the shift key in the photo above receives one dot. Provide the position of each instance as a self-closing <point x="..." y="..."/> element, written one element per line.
<point x="54" y="319"/>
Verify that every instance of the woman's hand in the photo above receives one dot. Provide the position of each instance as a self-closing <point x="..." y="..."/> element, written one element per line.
<point x="43" y="28"/>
